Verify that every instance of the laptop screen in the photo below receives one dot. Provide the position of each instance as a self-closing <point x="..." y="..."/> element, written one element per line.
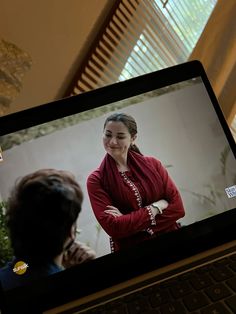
<point x="179" y="128"/>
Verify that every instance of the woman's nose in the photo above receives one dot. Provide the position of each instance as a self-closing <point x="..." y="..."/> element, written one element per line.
<point x="113" y="140"/>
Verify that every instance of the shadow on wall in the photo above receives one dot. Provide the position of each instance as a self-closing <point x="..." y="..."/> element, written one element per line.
<point x="215" y="199"/>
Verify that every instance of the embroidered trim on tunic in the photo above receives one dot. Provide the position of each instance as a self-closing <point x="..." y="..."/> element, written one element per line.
<point x="150" y="231"/>
<point x="139" y="201"/>
<point x="112" y="245"/>
<point x="152" y="217"/>
<point x="133" y="187"/>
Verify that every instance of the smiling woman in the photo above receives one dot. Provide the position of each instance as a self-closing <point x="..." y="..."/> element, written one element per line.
<point x="119" y="136"/>
<point x="132" y="196"/>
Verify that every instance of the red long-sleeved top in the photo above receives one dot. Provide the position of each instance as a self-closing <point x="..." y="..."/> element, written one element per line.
<point x="137" y="223"/>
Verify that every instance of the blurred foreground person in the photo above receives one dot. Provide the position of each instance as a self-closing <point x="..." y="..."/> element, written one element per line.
<point x="42" y="214"/>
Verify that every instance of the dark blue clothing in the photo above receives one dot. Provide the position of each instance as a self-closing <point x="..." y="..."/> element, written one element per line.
<point x="10" y="279"/>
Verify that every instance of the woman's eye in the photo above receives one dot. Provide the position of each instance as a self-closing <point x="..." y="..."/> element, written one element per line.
<point x="118" y="137"/>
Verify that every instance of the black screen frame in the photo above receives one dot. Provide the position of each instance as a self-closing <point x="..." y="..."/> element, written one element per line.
<point x="174" y="246"/>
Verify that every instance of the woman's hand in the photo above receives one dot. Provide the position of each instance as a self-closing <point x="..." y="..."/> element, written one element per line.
<point x="77" y="254"/>
<point x="158" y="207"/>
<point x="162" y="204"/>
<point x="112" y="210"/>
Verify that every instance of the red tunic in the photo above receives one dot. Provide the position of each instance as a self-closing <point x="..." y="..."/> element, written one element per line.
<point x="137" y="223"/>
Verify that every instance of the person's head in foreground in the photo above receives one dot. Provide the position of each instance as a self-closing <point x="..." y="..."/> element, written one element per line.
<point x="42" y="212"/>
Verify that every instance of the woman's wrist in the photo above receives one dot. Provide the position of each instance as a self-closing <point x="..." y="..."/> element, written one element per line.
<point x="155" y="205"/>
<point x="159" y="206"/>
<point x="154" y="210"/>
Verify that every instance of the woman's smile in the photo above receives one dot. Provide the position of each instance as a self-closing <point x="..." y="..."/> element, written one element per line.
<point x="116" y="139"/>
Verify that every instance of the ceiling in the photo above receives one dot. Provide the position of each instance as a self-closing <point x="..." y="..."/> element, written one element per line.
<point x="56" y="35"/>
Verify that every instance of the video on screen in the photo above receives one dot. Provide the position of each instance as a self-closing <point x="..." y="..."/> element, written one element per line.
<point x="146" y="165"/>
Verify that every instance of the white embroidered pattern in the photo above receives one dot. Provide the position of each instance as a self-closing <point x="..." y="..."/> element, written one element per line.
<point x="152" y="217"/>
<point x="139" y="200"/>
<point x="112" y="245"/>
<point x="133" y="187"/>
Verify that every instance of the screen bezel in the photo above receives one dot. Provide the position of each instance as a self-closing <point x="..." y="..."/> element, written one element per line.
<point x="61" y="288"/>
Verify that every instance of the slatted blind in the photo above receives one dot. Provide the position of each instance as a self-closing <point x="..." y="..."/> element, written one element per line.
<point x="142" y="36"/>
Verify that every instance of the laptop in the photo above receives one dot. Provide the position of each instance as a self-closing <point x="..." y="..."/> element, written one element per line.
<point x="180" y="123"/>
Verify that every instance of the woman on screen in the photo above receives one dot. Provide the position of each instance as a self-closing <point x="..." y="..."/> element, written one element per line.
<point x="132" y="195"/>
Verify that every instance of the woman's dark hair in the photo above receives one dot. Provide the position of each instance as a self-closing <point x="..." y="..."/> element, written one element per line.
<point x="129" y="122"/>
<point x="41" y="210"/>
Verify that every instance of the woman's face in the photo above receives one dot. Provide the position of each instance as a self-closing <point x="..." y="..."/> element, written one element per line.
<point x="117" y="139"/>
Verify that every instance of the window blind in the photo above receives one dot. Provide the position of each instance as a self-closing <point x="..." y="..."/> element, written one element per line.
<point x="142" y="36"/>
